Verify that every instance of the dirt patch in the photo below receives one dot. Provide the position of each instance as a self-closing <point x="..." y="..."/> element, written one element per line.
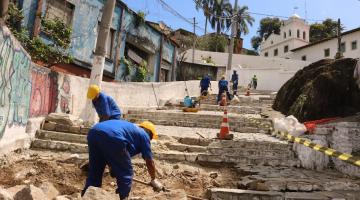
<point x="66" y="176"/>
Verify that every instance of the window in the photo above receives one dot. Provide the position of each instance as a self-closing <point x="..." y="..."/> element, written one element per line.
<point x="326" y="52"/>
<point x="284" y="35"/>
<point x="286" y="49"/>
<point x="298" y="33"/>
<point x="343" y="47"/>
<point x="304" y="35"/>
<point x="266" y="54"/>
<point x="354" y="45"/>
<point x="289" y="33"/>
<point x="60" y="9"/>
<point x="276" y="52"/>
<point x="110" y="43"/>
<point x="303" y="58"/>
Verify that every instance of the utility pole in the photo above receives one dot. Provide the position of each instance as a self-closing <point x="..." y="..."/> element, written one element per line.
<point x="99" y="55"/>
<point x="4" y="5"/>
<point x="194" y="40"/>
<point x="232" y="40"/>
<point x="339" y="53"/>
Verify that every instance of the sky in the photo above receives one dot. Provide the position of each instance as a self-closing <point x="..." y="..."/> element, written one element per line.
<point x="346" y="10"/>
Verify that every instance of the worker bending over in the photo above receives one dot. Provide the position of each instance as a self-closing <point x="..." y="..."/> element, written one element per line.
<point x="205" y="83"/>
<point x="114" y="142"/>
<point x="105" y="105"/>
<point x="223" y="87"/>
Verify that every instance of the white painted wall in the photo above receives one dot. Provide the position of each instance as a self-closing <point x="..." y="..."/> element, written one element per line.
<point x="316" y="52"/>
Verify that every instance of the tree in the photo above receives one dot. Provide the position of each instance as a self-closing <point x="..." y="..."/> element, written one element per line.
<point x="206" y="6"/>
<point x="326" y="29"/>
<point x="243" y="19"/>
<point x="214" y="43"/>
<point x="221" y="13"/>
<point x="268" y="26"/>
<point x="255" y="42"/>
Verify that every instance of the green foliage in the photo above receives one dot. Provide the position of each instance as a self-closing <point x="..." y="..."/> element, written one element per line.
<point x="243" y="20"/>
<point x="208" y="60"/>
<point x="326" y="29"/>
<point x="220" y="8"/>
<point x="140" y="18"/>
<point x="215" y="43"/>
<point x="141" y="71"/>
<point x="255" y="42"/>
<point x="56" y="30"/>
<point x="268" y="26"/>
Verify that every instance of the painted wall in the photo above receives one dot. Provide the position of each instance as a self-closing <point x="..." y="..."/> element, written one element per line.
<point x="15" y="90"/>
<point x="87" y="14"/>
<point x="316" y="52"/>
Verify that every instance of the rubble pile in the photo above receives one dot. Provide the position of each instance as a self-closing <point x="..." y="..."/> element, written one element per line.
<point x="323" y="89"/>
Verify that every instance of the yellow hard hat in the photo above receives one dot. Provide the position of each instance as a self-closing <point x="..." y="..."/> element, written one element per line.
<point x="93" y="92"/>
<point x="151" y="127"/>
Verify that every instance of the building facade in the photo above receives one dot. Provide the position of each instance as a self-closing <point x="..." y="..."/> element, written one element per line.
<point x="328" y="48"/>
<point x="294" y="33"/>
<point x="137" y="42"/>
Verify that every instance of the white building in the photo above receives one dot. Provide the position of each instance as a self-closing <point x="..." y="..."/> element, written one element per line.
<point x="327" y="48"/>
<point x="293" y="43"/>
<point x="294" y="33"/>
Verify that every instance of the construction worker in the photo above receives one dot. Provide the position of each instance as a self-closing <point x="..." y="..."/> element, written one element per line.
<point x="105" y="105"/>
<point x="254" y="82"/>
<point x="113" y="143"/>
<point x="235" y="81"/>
<point x="223" y="87"/>
<point x="205" y="83"/>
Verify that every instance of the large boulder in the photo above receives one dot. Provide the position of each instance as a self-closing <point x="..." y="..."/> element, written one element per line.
<point x="326" y="88"/>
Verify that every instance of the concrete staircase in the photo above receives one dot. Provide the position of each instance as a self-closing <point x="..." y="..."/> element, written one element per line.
<point x="238" y="123"/>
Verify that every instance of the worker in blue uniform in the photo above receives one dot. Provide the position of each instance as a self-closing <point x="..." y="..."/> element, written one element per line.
<point x="113" y="143"/>
<point x="205" y="83"/>
<point x="235" y="82"/>
<point x="223" y="87"/>
<point x="105" y="105"/>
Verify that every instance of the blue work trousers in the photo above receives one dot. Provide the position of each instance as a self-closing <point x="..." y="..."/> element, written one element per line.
<point x="105" y="149"/>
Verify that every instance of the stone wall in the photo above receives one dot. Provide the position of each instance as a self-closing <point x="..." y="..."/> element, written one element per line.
<point x="342" y="135"/>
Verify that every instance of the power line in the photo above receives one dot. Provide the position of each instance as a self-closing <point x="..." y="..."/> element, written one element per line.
<point x="177" y="14"/>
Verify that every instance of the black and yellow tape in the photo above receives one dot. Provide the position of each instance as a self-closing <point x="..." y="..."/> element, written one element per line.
<point x="328" y="151"/>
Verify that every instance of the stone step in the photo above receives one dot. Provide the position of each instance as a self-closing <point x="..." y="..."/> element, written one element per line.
<point x="61" y="136"/>
<point x="232" y="109"/>
<point x="236" y="194"/>
<point x="185" y="148"/>
<point x="59" y="146"/>
<point x="246" y="160"/>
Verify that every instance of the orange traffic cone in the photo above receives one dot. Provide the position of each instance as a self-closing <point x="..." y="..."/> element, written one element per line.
<point x="224" y="129"/>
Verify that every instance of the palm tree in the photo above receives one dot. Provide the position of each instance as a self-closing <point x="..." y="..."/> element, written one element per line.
<point x="220" y="8"/>
<point x="205" y="5"/>
<point x="243" y="19"/>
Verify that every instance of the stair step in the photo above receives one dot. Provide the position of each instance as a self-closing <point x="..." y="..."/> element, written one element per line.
<point x="185" y="148"/>
<point x="224" y="193"/>
<point x="59" y="146"/>
<point x="61" y="136"/>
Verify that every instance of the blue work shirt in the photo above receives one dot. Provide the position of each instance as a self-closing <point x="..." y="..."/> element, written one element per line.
<point x="188" y="102"/>
<point x="223" y="85"/>
<point x="106" y="106"/>
<point x="134" y="138"/>
<point x="235" y="78"/>
<point x="205" y="82"/>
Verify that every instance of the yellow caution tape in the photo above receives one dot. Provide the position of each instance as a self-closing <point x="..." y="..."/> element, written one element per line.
<point x="328" y="151"/>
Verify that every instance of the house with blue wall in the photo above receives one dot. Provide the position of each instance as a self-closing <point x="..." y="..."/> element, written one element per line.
<point x="129" y="38"/>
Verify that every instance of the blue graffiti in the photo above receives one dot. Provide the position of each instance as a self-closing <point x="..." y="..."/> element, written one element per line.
<point x="15" y="82"/>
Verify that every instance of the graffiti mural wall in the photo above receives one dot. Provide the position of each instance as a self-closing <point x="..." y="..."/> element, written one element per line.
<point x="44" y="91"/>
<point x="15" y="83"/>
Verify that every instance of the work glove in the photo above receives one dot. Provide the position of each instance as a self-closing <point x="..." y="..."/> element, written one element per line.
<point x="157" y="186"/>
